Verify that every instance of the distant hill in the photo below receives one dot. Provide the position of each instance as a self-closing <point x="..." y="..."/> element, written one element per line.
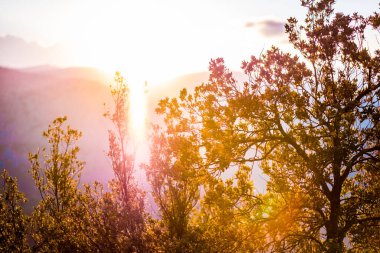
<point x="172" y="87"/>
<point x="39" y="68"/>
<point x="16" y="52"/>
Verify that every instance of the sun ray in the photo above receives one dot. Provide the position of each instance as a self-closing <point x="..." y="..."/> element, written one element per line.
<point x="137" y="111"/>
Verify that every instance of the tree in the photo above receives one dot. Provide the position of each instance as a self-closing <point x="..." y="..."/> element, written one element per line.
<point x="126" y="200"/>
<point x="201" y="209"/>
<point x="13" y="223"/>
<point x="215" y="209"/>
<point x="100" y="220"/>
<point x="311" y="121"/>
<point x="115" y="220"/>
<point x="57" y="174"/>
<point x="173" y="173"/>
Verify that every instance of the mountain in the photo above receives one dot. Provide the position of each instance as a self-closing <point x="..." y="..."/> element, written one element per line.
<point x="16" y="52"/>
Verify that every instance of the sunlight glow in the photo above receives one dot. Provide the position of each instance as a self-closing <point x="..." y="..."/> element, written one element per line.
<point x="154" y="44"/>
<point x="122" y="39"/>
<point x="137" y="110"/>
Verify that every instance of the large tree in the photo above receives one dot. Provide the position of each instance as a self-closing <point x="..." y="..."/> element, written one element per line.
<point x="311" y="121"/>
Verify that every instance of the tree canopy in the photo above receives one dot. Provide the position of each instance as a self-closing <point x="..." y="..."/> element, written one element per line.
<point x="310" y="121"/>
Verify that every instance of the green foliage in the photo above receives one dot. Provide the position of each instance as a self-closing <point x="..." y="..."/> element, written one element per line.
<point x="103" y="221"/>
<point x="13" y="223"/>
<point x="228" y="213"/>
<point x="57" y="174"/>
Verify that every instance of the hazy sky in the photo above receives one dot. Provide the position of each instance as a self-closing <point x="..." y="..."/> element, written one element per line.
<point x="152" y="39"/>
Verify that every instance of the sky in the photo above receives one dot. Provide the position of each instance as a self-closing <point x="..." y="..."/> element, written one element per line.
<point x="149" y="39"/>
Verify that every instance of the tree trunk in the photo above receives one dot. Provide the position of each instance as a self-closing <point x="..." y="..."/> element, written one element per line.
<point x="334" y="242"/>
